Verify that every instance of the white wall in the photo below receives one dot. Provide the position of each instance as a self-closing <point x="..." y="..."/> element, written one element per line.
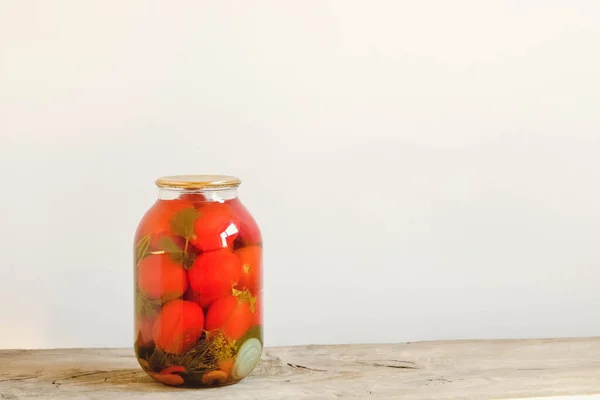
<point x="420" y="169"/>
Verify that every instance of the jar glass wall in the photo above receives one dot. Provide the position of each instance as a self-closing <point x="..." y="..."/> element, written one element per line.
<point x="198" y="284"/>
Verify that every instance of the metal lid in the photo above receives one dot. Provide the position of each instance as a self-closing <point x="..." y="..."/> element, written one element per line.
<point x="198" y="181"/>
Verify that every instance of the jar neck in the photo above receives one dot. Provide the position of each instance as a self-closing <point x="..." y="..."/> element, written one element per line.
<point x="216" y="195"/>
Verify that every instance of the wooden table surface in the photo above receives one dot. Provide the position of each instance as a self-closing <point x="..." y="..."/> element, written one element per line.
<point x="499" y="369"/>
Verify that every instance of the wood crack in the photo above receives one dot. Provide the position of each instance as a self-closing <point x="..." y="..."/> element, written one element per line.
<point x="436" y="381"/>
<point x="304" y="367"/>
<point x="18" y="379"/>
<point x="86" y="374"/>
<point x="399" y="365"/>
<point x="112" y="374"/>
<point x="125" y="374"/>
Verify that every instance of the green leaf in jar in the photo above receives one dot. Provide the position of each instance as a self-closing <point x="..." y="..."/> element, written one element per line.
<point x="145" y="307"/>
<point x="141" y="248"/>
<point x="166" y="245"/>
<point x="187" y="260"/>
<point x="182" y="223"/>
<point x="158" y="360"/>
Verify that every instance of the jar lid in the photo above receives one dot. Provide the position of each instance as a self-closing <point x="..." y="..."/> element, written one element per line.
<point x="198" y="181"/>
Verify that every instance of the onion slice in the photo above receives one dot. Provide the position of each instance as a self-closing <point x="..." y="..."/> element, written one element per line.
<point x="247" y="357"/>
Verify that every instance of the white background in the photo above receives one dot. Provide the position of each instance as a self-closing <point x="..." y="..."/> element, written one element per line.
<point x="420" y="169"/>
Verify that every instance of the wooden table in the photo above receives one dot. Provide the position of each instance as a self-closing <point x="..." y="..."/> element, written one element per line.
<point x="499" y="369"/>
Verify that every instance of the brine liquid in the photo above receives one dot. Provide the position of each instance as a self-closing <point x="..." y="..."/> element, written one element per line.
<point x="198" y="291"/>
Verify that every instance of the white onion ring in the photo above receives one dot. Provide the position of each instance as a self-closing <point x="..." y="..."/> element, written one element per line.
<point x="247" y="357"/>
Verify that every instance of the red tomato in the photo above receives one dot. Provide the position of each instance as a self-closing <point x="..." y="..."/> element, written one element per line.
<point x="249" y="232"/>
<point x="215" y="228"/>
<point x="178" y="326"/>
<point x="215" y="273"/>
<point x="159" y="277"/>
<point x="232" y="316"/>
<point x="158" y="218"/>
<point x="251" y="273"/>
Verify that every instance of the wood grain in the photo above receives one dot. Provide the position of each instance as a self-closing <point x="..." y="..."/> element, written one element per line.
<point x="503" y="369"/>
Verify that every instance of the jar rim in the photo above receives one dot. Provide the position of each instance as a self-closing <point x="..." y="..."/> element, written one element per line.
<point x="198" y="181"/>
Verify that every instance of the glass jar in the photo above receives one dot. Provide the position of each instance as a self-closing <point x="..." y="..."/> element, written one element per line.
<point x="198" y="284"/>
